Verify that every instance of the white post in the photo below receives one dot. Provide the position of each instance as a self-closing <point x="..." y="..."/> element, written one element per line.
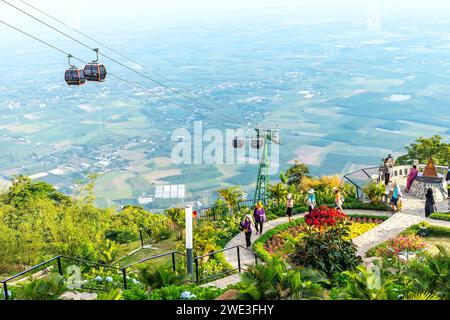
<point x="189" y="241"/>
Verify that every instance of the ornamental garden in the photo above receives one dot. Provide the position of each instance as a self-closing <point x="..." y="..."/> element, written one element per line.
<point x="53" y="247"/>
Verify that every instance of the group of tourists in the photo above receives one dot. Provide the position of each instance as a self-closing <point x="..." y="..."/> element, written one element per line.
<point x="394" y="197"/>
<point x="259" y="214"/>
<point x="394" y="192"/>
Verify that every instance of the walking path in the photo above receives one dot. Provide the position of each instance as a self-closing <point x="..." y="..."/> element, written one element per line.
<point x="412" y="214"/>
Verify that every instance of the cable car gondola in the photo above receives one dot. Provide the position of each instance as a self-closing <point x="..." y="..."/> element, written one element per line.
<point x="238" y="143"/>
<point x="95" y="71"/>
<point x="257" y="143"/>
<point x="74" y="76"/>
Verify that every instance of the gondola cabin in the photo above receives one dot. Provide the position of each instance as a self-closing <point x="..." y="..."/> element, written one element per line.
<point x="257" y="143"/>
<point x="75" y="76"/>
<point x="95" y="72"/>
<point x="238" y="143"/>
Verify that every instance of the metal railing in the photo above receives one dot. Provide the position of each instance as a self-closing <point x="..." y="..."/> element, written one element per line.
<point x="58" y="259"/>
<point x="173" y="254"/>
<point x="197" y="261"/>
<point x="219" y="212"/>
<point x="367" y="175"/>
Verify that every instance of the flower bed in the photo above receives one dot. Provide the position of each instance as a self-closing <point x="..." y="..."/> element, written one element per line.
<point x="281" y="240"/>
<point x="323" y="217"/>
<point x="396" y="246"/>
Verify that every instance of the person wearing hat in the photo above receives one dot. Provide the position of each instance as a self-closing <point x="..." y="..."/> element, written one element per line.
<point x="260" y="217"/>
<point x="246" y="226"/>
<point x="311" y="200"/>
<point x="338" y="199"/>
<point x="289" y="206"/>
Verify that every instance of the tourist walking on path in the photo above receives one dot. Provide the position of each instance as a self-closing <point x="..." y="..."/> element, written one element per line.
<point x="396" y="197"/>
<point x="430" y="204"/>
<point x="411" y="177"/>
<point x="338" y="200"/>
<point x="289" y="206"/>
<point x="260" y="217"/>
<point x="448" y="183"/>
<point x="246" y="226"/>
<point x="311" y="200"/>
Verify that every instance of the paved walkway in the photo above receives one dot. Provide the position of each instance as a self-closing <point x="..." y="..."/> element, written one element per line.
<point x="412" y="214"/>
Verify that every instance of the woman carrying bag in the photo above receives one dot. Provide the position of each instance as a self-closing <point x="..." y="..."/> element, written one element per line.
<point x="247" y="227"/>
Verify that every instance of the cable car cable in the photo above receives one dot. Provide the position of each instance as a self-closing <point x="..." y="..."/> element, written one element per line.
<point x="119" y="63"/>
<point x="127" y="67"/>
<point x="131" y="60"/>
<point x="113" y="75"/>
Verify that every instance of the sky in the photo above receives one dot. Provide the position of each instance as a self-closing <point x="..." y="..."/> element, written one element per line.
<point x="107" y="13"/>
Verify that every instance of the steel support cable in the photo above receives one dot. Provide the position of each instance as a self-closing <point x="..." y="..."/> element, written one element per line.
<point x="135" y="71"/>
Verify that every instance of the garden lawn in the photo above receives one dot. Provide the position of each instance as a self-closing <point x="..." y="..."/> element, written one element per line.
<point x="159" y="248"/>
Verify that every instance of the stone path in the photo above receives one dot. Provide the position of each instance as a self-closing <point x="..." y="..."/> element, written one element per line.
<point x="412" y="214"/>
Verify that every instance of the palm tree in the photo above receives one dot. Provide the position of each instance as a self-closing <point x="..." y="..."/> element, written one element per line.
<point x="232" y="196"/>
<point x="279" y="193"/>
<point x="176" y="221"/>
<point x="274" y="280"/>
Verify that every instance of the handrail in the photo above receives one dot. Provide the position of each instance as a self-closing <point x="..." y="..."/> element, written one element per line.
<point x="29" y="270"/>
<point x="214" y="253"/>
<point x="90" y="262"/>
<point x="153" y="258"/>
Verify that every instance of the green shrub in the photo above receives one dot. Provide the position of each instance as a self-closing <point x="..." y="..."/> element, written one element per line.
<point x="48" y="288"/>
<point x="156" y="278"/>
<point x="121" y="236"/>
<point x="440" y="216"/>
<point x="375" y="191"/>
<point x="174" y="292"/>
<point x="328" y="250"/>
<point x="135" y="293"/>
<point x="274" y="280"/>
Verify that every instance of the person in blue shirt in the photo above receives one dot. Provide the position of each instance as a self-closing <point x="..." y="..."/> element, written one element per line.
<point x="311" y="200"/>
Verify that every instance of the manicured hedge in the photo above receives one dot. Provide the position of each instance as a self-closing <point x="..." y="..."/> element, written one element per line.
<point x="440" y="216"/>
<point x="367" y="216"/>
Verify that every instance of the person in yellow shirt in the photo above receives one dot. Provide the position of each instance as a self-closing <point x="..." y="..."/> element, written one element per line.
<point x="338" y="199"/>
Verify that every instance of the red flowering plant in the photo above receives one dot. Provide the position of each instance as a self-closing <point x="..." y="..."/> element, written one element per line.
<point x="324" y="217"/>
<point x="395" y="247"/>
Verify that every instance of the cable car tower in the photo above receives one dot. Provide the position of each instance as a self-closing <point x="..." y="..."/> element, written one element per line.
<point x="264" y="137"/>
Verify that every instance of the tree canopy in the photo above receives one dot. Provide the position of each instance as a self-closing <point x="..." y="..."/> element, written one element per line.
<point x="424" y="148"/>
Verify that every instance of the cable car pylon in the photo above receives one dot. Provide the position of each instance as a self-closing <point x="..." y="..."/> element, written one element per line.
<point x="264" y="138"/>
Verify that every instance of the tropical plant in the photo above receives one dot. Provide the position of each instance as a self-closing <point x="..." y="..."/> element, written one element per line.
<point x="364" y="284"/>
<point x="231" y="196"/>
<point x="113" y="295"/>
<point x="48" y="288"/>
<point x="375" y="191"/>
<point x="176" y="221"/>
<point x="328" y="250"/>
<point x="274" y="280"/>
<point x="183" y="292"/>
<point x="160" y="277"/>
<point x="421" y="296"/>
<point x="431" y="274"/>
